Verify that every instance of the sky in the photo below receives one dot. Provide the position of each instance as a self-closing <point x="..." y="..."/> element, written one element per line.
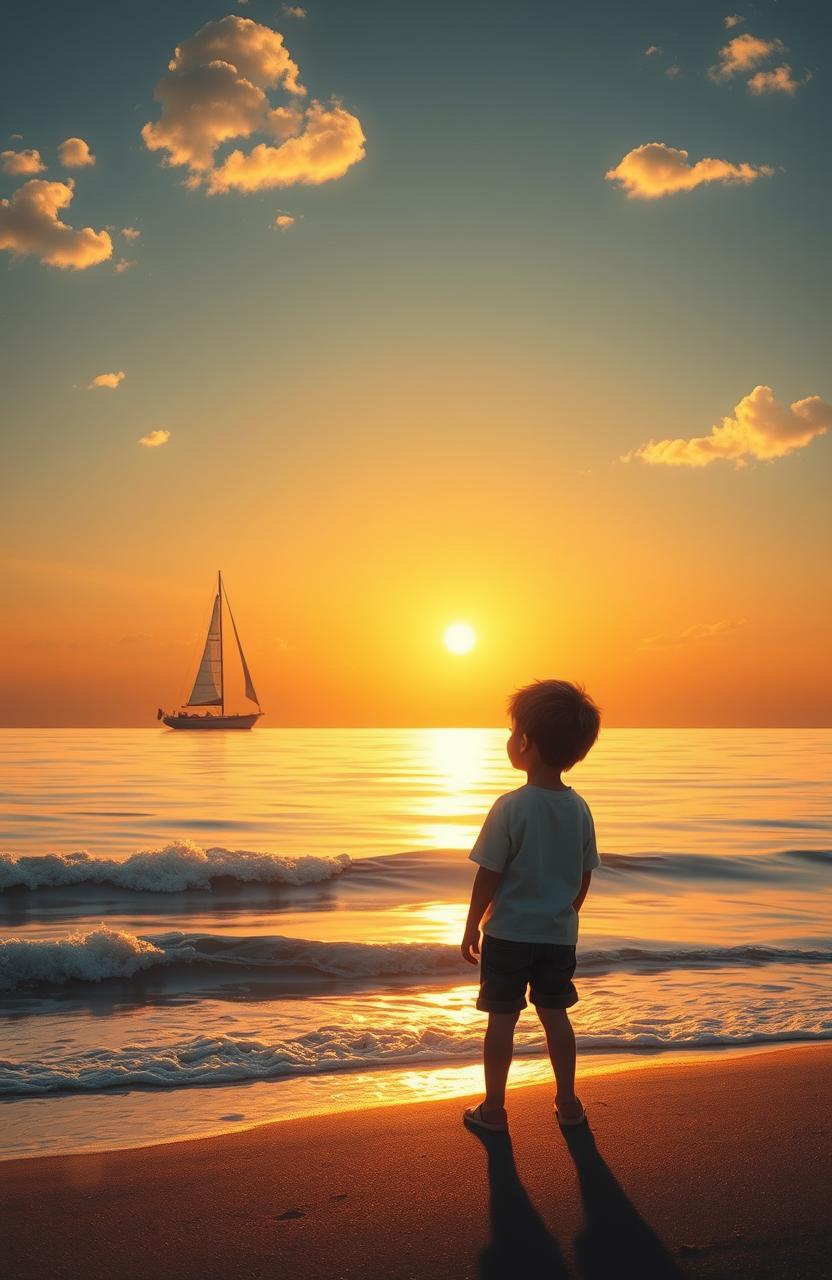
<point x="402" y="315"/>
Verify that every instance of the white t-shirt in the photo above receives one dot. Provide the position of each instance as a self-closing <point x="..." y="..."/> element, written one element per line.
<point x="542" y="841"/>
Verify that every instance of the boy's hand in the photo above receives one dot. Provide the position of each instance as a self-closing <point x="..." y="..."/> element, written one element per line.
<point x="471" y="946"/>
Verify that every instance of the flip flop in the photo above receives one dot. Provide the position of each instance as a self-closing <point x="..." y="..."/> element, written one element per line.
<point x="473" y="1115"/>
<point x="581" y="1119"/>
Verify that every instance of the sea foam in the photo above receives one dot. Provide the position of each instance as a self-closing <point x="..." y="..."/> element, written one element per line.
<point x="173" y="869"/>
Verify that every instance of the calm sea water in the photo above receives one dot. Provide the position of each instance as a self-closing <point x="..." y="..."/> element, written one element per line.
<point x="275" y="917"/>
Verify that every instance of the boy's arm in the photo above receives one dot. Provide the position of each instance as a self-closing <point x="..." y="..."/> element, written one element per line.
<point x="483" y="890"/>
<point x="583" y="891"/>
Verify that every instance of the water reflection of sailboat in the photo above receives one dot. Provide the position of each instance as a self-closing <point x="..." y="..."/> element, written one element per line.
<point x="209" y="686"/>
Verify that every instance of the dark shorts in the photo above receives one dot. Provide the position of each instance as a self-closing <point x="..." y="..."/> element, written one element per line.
<point x="507" y="968"/>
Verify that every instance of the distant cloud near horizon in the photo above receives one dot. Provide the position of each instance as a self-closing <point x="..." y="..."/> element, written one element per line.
<point x="75" y="153"/>
<point x="760" y="429"/>
<point x="695" y="634"/>
<point x="214" y="93"/>
<point x="30" y="224"/>
<point x="154" y="439"/>
<point x="18" y="163"/>
<point x="654" y="170"/>
<point x="109" y="380"/>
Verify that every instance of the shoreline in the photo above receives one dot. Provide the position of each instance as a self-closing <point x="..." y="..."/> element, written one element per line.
<point x="465" y="1079"/>
<point x="682" y="1171"/>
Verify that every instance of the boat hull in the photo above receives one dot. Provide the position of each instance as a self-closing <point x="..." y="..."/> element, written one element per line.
<point x="212" y="722"/>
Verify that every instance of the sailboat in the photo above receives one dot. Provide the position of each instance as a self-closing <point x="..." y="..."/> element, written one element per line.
<point x="209" y="685"/>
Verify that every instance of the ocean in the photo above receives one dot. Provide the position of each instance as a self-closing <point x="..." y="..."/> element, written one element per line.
<point x="206" y="931"/>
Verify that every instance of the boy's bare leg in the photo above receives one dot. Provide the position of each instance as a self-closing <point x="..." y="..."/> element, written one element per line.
<point x="497" y="1052"/>
<point x="560" y="1039"/>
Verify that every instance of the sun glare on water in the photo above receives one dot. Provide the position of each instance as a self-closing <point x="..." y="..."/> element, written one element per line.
<point x="459" y="637"/>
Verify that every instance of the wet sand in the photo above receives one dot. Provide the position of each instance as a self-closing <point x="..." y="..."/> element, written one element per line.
<point x="720" y="1168"/>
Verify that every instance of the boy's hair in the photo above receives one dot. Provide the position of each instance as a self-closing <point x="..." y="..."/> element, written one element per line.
<point x="560" y="719"/>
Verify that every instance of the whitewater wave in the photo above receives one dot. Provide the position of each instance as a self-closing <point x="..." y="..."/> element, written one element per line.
<point x="105" y="953"/>
<point x="173" y="869"/>
<point x="239" y="1057"/>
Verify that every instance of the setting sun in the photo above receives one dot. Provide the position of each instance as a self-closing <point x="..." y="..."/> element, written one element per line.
<point x="459" y="637"/>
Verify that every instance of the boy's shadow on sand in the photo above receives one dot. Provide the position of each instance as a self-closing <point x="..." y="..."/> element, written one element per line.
<point x="614" y="1241"/>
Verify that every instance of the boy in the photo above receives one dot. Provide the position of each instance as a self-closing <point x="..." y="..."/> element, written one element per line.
<point x="536" y="852"/>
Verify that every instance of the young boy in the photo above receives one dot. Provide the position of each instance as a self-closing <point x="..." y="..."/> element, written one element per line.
<point x="536" y="852"/>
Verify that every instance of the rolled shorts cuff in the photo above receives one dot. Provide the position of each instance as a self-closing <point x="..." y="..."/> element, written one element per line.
<point x="563" y="1000"/>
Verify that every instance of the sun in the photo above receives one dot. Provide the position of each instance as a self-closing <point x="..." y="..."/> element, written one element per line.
<point x="459" y="637"/>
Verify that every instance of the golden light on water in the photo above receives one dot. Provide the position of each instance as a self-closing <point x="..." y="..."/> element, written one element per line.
<point x="460" y="638"/>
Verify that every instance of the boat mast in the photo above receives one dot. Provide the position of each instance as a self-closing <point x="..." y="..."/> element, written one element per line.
<point x="222" y="680"/>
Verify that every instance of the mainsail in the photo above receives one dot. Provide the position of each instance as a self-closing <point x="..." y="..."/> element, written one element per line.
<point x="207" y="690"/>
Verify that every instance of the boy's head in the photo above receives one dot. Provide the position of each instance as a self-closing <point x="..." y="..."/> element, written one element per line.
<point x="556" y="717"/>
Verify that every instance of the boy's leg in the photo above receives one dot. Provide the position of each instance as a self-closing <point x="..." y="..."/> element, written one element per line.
<point x="560" y="1039"/>
<point x="497" y="1052"/>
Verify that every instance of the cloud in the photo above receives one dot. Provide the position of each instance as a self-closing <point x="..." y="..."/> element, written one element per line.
<point x="110" y="380"/>
<point x="294" y="11"/>
<point x="673" y="71"/>
<point x="692" y="635"/>
<point x="29" y="223"/>
<point x="284" y="221"/>
<point x="215" y="92"/>
<point x="760" y="429"/>
<point x="330" y="144"/>
<point x="21" y="162"/>
<point x="654" y="170"/>
<point x="733" y="20"/>
<point x="75" y="153"/>
<point x="130" y="233"/>
<point x="742" y="54"/>
<point x="154" y="439"/>
<point x="780" y="80"/>
<point x="124" y="264"/>
<point x="652" y="50"/>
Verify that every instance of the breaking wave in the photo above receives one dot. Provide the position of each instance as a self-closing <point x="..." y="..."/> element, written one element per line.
<point x="105" y="953"/>
<point x="173" y="869"/>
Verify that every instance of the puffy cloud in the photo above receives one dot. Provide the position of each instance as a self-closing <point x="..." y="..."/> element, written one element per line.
<point x="733" y="20"/>
<point x="780" y="80"/>
<point x="130" y="233"/>
<point x="652" y="50"/>
<point x="154" y="439"/>
<point x="110" y="380"/>
<point x="30" y="223"/>
<point x="692" y="635"/>
<point x="655" y="170"/>
<point x="21" y="162"/>
<point x="284" y="221"/>
<point x="760" y="428"/>
<point x="75" y="153"/>
<point x="331" y="143"/>
<point x="742" y="54"/>
<point x="215" y="92"/>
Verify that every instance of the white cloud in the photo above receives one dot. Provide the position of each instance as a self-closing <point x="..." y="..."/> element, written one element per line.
<point x="130" y="233"/>
<point x="30" y="223"/>
<point x="110" y="380"/>
<point x="695" y="634"/>
<point x="760" y="429"/>
<point x="780" y="80"/>
<point x="654" y="170"/>
<point x="215" y="92"/>
<point x="75" y="153"/>
<point x="154" y="439"/>
<point x="743" y="54"/>
<point x="19" y="163"/>
<point x="284" y="221"/>
<point x="652" y="50"/>
<point x="733" y="20"/>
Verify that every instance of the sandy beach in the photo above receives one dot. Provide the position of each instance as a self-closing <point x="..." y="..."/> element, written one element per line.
<point x="718" y="1168"/>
